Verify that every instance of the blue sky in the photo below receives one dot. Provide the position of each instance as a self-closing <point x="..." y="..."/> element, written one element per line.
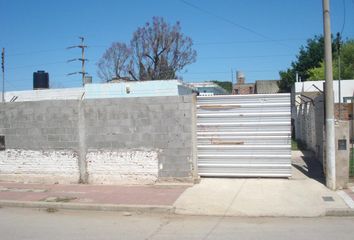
<point x="35" y="34"/>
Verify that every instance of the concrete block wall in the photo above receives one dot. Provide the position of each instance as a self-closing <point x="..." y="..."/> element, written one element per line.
<point x="308" y="124"/>
<point x="160" y="128"/>
<point x="40" y="125"/>
<point x="98" y="140"/>
<point x="41" y="140"/>
<point x="319" y="132"/>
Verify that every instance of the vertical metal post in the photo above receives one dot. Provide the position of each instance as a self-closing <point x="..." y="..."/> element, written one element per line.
<point x="330" y="130"/>
<point x="3" y="73"/>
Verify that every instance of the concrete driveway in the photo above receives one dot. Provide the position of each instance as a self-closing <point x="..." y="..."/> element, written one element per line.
<point x="303" y="195"/>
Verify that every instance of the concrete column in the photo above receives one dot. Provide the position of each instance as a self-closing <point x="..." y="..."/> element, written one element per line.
<point x="342" y="154"/>
<point x="82" y="143"/>
<point x="194" y="138"/>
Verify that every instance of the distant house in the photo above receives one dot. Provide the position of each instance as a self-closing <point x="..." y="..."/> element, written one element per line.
<point x="241" y="87"/>
<point x="207" y="88"/>
<point x="267" y="86"/>
<point x="259" y="87"/>
<point x="246" y="88"/>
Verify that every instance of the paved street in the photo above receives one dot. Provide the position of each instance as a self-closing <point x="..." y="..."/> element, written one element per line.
<point x="16" y="223"/>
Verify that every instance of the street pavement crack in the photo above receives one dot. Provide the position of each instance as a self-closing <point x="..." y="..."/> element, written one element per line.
<point x="225" y="212"/>
<point x="159" y="228"/>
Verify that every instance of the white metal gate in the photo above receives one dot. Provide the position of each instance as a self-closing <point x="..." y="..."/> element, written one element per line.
<point x="244" y="135"/>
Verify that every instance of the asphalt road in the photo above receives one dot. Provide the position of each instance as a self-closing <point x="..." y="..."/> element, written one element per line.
<point x="16" y="223"/>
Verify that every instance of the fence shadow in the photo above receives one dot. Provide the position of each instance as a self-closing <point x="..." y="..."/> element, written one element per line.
<point x="309" y="166"/>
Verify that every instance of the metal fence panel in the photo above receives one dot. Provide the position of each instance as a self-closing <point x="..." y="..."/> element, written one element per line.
<point x="244" y="135"/>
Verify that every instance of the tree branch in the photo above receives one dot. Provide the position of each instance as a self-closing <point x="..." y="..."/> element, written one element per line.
<point x="133" y="76"/>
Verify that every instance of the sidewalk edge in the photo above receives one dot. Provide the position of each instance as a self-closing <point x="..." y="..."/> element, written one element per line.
<point x="89" y="206"/>
<point x="340" y="212"/>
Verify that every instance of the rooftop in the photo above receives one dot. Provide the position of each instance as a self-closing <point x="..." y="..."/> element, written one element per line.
<point x="267" y="86"/>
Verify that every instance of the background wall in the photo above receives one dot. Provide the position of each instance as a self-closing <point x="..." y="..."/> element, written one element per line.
<point x="98" y="141"/>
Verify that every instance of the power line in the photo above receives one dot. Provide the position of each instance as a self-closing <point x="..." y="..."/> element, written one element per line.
<point x="241" y="57"/>
<point x="48" y="50"/>
<point x="197" y="44"/>
<point x="228" y="21"/>
<point x="37" y="65"/>
<point x="36" y="52"/>
<point x="225" y="20"/>
<point x="227" y="72"/>
<point x="248" y="42"/>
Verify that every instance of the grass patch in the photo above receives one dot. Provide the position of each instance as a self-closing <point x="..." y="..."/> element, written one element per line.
<point x="294" y="145"/>
<point x="297" y="145"/>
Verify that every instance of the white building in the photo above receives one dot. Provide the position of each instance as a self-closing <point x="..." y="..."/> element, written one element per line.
<point x="347" y="89"/>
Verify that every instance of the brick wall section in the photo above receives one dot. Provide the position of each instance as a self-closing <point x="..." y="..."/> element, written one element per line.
<point x="159" y="127"/>
<point x="123" y="166"/>
<point x="60" y="166"/>
<point x="248" y="88"/>
<point x="346" y="111"/>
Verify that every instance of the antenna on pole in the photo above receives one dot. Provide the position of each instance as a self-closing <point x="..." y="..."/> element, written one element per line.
<point x="3" y="73"/>
<point x="82" y="59"/>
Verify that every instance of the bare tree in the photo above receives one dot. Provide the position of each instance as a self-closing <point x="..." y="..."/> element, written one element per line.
<point x="115" y="62"/>
<point x="160" y="50"/>
<point x="157" y="51"/>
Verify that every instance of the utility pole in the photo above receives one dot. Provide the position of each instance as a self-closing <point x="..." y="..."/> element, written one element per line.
<point x="232" y="77"/>
<point x="297" y="76"/>
<point x="330" y="132"/>
<point x="82" y="59"/>
<point x="3" y="73"/>
<point x="339" y="80"/>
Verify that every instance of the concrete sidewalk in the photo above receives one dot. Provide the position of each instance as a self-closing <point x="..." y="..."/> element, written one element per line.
<point x="259" y="197"/>
<point x="158" y="198"/>
<point x="303" y="195"/>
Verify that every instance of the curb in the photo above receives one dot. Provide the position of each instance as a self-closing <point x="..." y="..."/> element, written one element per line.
<point x="134" y="208"/>
<point x="90" y="206"/>
<point x="339" y="213"/>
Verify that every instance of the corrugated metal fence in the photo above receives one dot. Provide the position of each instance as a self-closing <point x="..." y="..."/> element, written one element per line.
<point x="244" y="135"/>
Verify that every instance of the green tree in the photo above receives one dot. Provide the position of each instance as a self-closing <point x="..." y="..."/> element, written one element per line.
<point x="347" y="60"/>
<point x="309" y="57"/>
<point x="225" y="85"/>
<point x="318" y="73"/>
<point x="346" y="64"/>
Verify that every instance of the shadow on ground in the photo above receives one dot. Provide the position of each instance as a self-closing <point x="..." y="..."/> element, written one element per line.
<point x="308" y="165"/>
